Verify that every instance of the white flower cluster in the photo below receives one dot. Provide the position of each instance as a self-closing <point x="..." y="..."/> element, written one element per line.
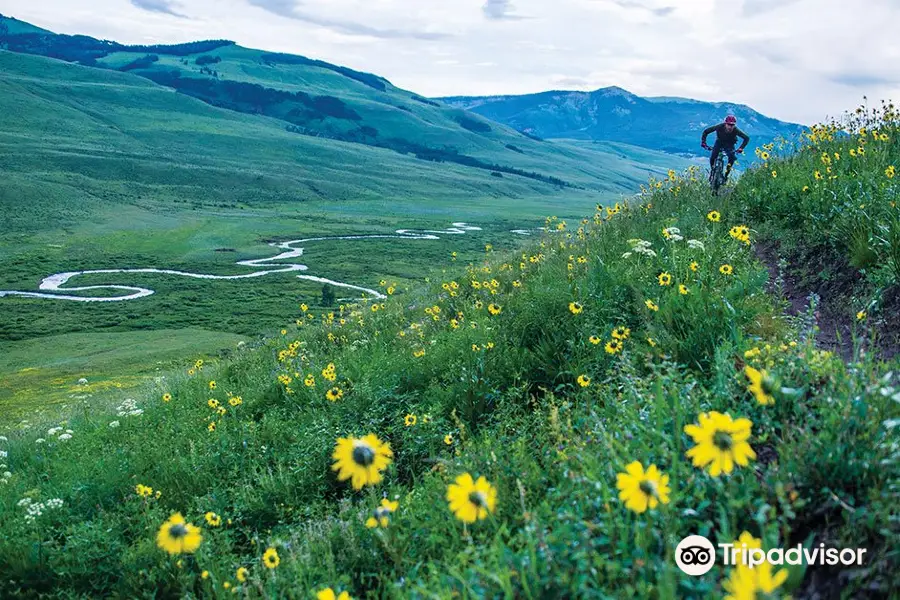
<point x="40" y="441"/>
<point x="55" y="430"/>
<point x="129" y="409"/>
<point x="114" y="424"/>
<point x="33" y="509"/>
<point x="5" y="476"/>
<point x="697" y="245"/>
<point x="3" y="453"/>
<point x="640" y="247"/>
<point x="673" y="234"/>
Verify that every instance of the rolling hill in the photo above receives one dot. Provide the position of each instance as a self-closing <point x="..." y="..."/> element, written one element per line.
<point x="105" y="168"/>
<point x="613" y="114"/>
<point x="313" y="98"/>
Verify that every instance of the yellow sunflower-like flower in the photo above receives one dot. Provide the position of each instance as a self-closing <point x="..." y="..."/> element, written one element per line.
<point x="212" y="385"/>
<point x="448" y="439"/>
<point x="328" y="594"/>
<point x="594" y="340"/>
<point x="761" y="385"/>
<point x="175" y="536"/>
<point x="212" y="403"/>
<point x="720" y="443"/>
<point x="640" y="489"/>
<point x="614" y="346"/>
<point x="726" y="269"/>
<point x="310" y="380"/>
<point x="651" y="305"/>
<point x="166" y="397"/>
<point x="471" y="500"/>
<point x="334" y="394"/>
<point x="381" y="516"/>
<point x="212" y="519"/>
<point x="621" y="333"/>
<point x="861" y="315"/>
<point x="494" y="309"/>
<point x="270" y="558"/>
<point x="714" y="216"/>
<point x="683" y="289"/>
<point x="575" y="308"/>
<point x="361" y="460"/>
<point x="409" y="420"/>
<point x="694" y="266"/>
<point x="584" y="380"/>
<point x="748" y="584"/>
<point x="665" y="279"/>
<point x="241" y="574"/>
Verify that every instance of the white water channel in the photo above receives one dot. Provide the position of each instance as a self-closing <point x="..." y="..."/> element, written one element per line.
<point x="55" y="283"/>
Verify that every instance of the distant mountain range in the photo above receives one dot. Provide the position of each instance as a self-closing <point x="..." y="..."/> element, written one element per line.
<point x="613" y="114"/>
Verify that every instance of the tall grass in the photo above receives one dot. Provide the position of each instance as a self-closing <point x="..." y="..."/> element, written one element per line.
<point x="498" y="364"/>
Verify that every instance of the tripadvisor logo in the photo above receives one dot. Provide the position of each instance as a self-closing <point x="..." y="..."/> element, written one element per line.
<point x="696" y="555"/>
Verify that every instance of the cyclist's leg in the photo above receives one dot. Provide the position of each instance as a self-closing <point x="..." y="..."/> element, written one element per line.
<point x="717" y="147"/>
<point x="731" y="159"/>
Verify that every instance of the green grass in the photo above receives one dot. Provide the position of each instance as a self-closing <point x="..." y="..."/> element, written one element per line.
<point x="107" y="170"/>
<point x="826" y="466"/>
<point x="41" y="375"/>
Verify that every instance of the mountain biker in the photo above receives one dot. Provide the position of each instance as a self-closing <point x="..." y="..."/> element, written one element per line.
<point x="727" y="134"/>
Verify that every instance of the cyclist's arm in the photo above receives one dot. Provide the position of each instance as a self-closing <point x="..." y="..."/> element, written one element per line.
<point x="706" y="132"/>
<point x="743" y="135"/>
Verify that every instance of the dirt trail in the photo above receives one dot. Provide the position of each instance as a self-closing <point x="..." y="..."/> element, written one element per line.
<point x="838" y="302"/>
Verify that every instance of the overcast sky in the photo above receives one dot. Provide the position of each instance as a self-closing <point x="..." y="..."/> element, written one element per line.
<point x="796" y="60"/>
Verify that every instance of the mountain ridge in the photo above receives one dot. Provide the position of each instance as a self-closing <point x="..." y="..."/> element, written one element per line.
<point x="670" y="124"/>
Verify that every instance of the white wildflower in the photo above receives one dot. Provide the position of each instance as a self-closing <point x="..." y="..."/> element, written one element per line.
<point x="7" y="475"/>
<point x="24" y="502"/>
<point x="39" y="441"/>
<point x="3" y="438"/>
<point x="65" y="436"/>
<point x="696" y="245"/>
<point x="114" y="424"/>
<point x="82" y="381"/>
<point x="3" y="453"/>
<point x="136" y="413"/>
<point x="53" y="431"/>
<point x="626" y="255"/>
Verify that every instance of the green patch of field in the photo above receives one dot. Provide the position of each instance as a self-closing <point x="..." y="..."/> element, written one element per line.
<point x="41" y="374"/>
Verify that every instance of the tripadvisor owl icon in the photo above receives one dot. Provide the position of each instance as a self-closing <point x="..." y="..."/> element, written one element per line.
<point x="695" y="555"/>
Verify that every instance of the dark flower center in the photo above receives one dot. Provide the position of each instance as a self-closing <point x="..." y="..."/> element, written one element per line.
<point x="363" y="455"/>
<point x="648" y="488"/>
<point x="722" y="440"/>
<point x="178" y="530"/>
<point x="478" y="499"/>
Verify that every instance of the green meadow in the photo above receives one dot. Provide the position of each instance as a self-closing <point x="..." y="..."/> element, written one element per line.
<point x="107" y="170"/>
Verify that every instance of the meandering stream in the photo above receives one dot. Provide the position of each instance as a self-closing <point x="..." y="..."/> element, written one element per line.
<point x="292" y="250"/>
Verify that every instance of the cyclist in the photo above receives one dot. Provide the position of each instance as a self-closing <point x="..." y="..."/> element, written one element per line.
<point x="727" y="134"/>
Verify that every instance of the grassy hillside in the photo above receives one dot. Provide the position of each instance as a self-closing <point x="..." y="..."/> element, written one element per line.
<point x="310" y="97"/>
<point x="107" y="170"/>
<point x="621" y="383"/>
<point x="613" y="114"/>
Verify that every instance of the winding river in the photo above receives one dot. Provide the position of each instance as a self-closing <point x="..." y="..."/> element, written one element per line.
<point x="52" y="286"/>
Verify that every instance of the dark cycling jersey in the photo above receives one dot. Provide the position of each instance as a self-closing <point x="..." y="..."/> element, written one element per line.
<point x="724" y="137"/>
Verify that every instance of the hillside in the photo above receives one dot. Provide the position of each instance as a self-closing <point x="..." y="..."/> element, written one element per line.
<point x="313" y="98"/>
<point x="108" y="170"/>
<point x="613" y="114"/>
<point x="546" y="421"/>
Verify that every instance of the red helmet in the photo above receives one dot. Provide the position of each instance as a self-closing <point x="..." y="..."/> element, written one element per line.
<point x="731" y="120"/>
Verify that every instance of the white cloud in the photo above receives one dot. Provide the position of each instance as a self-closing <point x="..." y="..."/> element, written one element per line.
<point x="799" y="60"/>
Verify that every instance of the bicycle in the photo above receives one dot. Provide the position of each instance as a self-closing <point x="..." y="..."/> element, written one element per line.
<point x="719" y="173"/>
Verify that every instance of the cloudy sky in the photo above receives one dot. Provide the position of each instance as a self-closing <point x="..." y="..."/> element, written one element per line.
<point x="797" y="60"/>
